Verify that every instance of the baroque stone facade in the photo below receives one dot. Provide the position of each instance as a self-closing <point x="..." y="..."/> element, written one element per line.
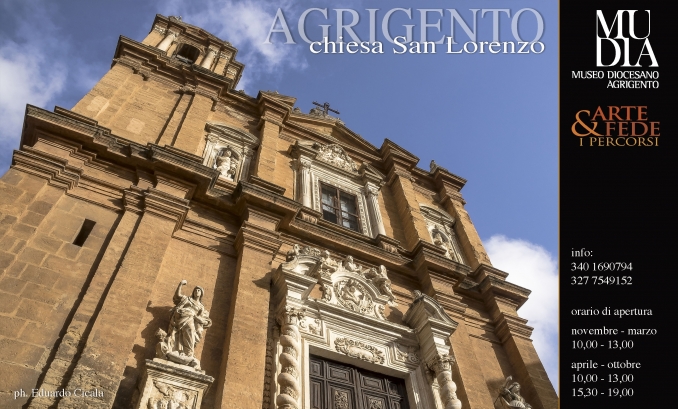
<point x="305" y="240"/>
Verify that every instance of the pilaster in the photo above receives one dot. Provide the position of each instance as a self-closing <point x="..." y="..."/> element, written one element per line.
<point x="192" y="129"/>
<point x="175" y="119"/>
<point x="81" y="324"/>
<point x="399" y="163"/>
<point x="272" y="115"/>
<point x="449" y="186"/>
<point x="503" y="300"/>
<point x="242" y="368"/>
<point x="126" y="301"/>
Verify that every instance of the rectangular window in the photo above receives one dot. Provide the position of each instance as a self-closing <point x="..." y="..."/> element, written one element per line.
<point x="85" y="230"/>
<point x="340" y="207"/>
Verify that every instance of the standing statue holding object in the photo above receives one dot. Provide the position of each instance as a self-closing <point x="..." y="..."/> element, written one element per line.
<point x="188" y="320"/>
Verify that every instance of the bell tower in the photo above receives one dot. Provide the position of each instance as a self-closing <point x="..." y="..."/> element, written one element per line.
<point x="178" y="71"/>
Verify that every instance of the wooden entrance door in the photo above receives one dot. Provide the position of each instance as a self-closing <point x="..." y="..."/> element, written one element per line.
<point x="340" y="386"/>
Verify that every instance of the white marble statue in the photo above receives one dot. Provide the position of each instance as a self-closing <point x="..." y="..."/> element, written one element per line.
<point x="227" y="164"/>
<point x="188" y="320"/>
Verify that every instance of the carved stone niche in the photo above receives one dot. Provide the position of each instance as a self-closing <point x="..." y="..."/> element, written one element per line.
<point x="229" y="150"/>
<point x="166" y="385"/>
<point x="440" y="226"/>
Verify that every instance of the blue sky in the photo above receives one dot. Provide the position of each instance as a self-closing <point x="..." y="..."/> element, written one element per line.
<point x="491" y="119"/>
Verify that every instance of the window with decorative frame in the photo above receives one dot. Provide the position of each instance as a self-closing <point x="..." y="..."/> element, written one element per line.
<point x="330" y="182"/>
<point x="339" y="207"/>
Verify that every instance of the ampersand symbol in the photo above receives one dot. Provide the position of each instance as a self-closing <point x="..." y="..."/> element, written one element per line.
<point x="579" y="121"/>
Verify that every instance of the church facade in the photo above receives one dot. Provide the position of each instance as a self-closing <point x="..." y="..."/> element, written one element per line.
<point x="170" y="242"/>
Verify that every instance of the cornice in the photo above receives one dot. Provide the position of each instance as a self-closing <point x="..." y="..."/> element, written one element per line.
<point x="429" y="256"/>
<point x="393" y="154"/>
<point x="492" y="286"/>
<point x="151" y="62"/>
<point x="349" y="242"/>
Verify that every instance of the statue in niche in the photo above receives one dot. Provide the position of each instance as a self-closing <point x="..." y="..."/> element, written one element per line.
<point x="188" y="321"/>
<point x="227" y="164"/>
<point x="511" y="395"/>
<point x="441" y="240"/>
<point x="381" y="281"/>
<point x="438" y="238"/>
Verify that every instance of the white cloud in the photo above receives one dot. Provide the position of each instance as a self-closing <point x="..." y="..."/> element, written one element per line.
<point x="28" y="74"/>
<point x="246" y="24"/>
<point x="531" y="266"/>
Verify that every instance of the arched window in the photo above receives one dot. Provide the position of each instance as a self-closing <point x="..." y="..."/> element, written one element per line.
<point x="187" y="53"/>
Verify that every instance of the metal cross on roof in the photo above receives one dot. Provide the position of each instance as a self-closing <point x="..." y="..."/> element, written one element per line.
<point x="326" y="107"/>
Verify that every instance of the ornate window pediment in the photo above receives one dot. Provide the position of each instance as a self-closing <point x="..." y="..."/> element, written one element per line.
<point x="330" y="165"/>
<point x="441" y="228"/>
<point x="335" y="156"/>
<point x="229" y="150"/>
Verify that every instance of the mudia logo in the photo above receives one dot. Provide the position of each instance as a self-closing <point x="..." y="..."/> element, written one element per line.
<point x="632" y="40"/>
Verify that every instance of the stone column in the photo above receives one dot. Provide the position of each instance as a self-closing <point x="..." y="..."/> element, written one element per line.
<point x="291" y="287"/>
<point x="372" y="194"/>
<point x="209" y="58"/>
<point x="167" y="41"/>
<point x="433" y="328"/>
<point x="441" y="365"/>
<point x="288" y="379"/>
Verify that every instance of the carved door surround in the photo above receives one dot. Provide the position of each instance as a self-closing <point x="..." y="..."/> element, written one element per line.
<point x="347" y="325"/>
<point x="317" y="163"/>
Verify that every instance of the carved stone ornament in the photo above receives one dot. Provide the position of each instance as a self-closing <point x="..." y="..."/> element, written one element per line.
<point x="188" y="321"/>
<point x="302" y="260"/>
<point x="442" y="362"/>
<point x="509" y="396"/>
<point x="407" y="353"/>
<point x="335" y="156"/>
<point x="166" y="385"/>
<point x="228" y="150"/>
<point x="380" y="280"/>
<point x="359" y="350"/>
<point x="352" y="295"/>
<point x="440" y="227"/>
<point x="289" y="320"/>
<point x="167" y="396"/>
<point x="340" y="400"/>
<point x="441" y="365"/>
<point x="311" y="326"/>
